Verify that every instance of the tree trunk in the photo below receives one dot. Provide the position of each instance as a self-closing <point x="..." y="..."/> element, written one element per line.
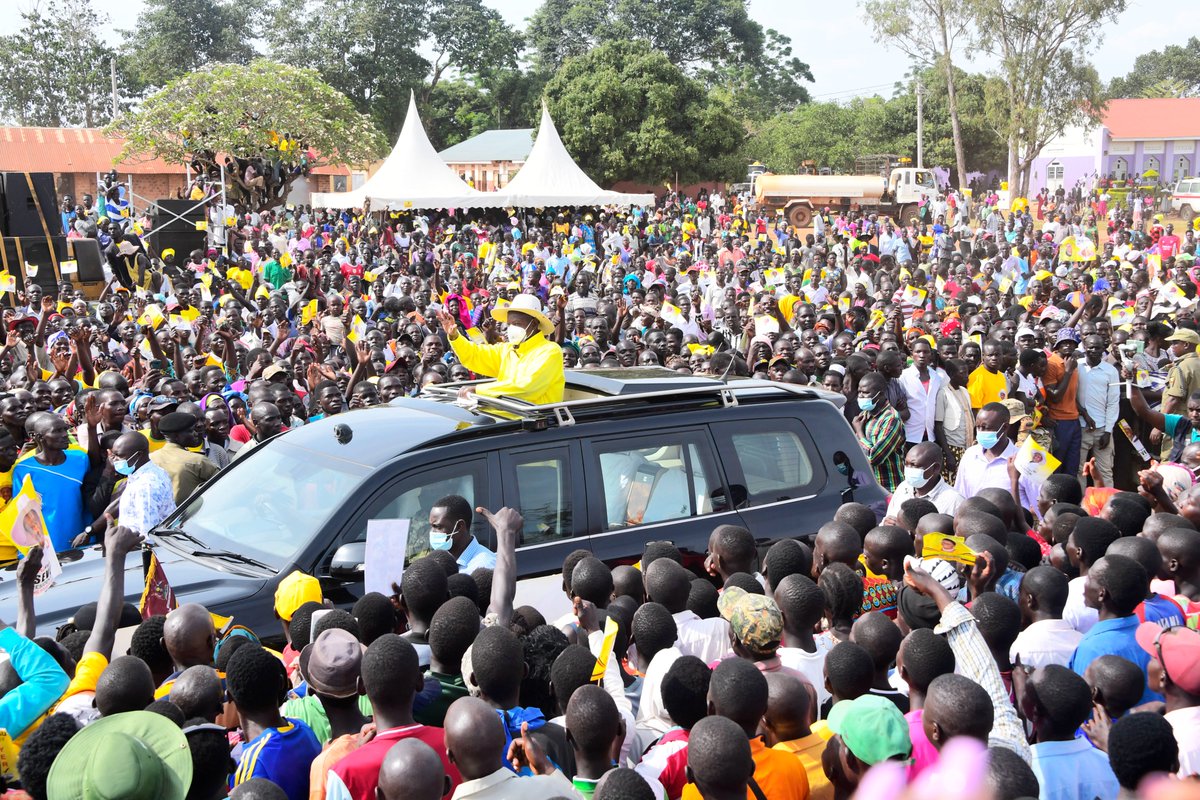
<point x="952" y="102"/>
<point x="1012" y="162"/>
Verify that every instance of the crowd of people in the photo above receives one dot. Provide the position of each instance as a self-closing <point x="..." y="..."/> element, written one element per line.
<point x="1051" y="653"/>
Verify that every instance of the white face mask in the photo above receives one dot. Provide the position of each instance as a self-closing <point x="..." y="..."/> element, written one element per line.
<point x="515" y="334"/>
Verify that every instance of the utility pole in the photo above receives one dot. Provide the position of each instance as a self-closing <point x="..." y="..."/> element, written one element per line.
<point x="920" y="125"/>
<point x="112" y="62"/>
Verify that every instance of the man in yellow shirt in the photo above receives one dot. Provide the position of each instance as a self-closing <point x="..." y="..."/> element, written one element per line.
<point x="988" y="383"/>
<point x="527" y="366"/>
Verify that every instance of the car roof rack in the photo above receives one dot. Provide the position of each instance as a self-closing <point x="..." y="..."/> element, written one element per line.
<point x="538" y="417"/>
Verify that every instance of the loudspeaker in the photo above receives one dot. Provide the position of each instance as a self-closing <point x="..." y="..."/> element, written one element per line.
<point x="35" y="250"/>
<point x="162" y="215"/>
<point x="20" y="213"/>
<point x="183" y="242"/>
<point x="86" y="253"/>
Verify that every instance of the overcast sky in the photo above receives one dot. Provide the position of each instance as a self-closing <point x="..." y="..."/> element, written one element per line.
<point x="846" y="60"/>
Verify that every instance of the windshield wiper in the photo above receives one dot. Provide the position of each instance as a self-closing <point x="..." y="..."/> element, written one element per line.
<point x="179" y="532"/>
<point x="231" y="556"/>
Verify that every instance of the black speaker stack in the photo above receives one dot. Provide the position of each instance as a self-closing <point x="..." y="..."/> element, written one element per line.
<point x="31" y="234"/>
<point x="173" y="226"/>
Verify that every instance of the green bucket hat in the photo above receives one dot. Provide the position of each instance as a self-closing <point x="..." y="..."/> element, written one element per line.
<point x="138" y="755"/>
<point x="872" y="728"/>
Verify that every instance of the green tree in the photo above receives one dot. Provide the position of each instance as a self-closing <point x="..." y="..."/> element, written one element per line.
<point x="376" y="56"/>
<point x="715" y="41"/>
<point x="1176" y="64"/>
<point x="174" y="37"/>
<point x="285" y="116"/>
<point x="456" y="110"/>
<point x="54" y="71"/>
<point x="927" y="31"/>
<point x="1046" y="83"/>
<point x="626" y="112"/>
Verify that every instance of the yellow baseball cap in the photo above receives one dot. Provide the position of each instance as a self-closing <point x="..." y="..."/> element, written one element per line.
<point x="294" y="591"/>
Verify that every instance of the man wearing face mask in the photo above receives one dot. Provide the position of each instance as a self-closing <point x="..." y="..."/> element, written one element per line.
<point x="528" y="366"/>
<point x="880" y="431"/>
<point x="147" y="498"/>
<point x="989" y="462"/>
<point x="923" y="478"/>
<point x="450" y="529"/>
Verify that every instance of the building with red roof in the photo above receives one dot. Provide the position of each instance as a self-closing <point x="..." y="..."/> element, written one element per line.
<point x="1135" y="136"/>
<point x="78" y="157"/>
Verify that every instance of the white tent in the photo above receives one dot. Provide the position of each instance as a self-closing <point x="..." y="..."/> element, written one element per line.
<point x="550" y="177"/>
<point x="413" y="176"/>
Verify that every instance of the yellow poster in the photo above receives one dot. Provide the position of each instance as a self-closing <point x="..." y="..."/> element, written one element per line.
<point x="948" y="548"/>
<point x="152" y="316"/>
<point x="1034" y="461"/>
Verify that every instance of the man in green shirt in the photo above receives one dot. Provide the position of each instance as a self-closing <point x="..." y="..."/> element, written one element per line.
<point x="275" y="273"/>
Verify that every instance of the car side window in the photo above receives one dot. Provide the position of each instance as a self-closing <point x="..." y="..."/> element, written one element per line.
<point x="672" y="478"/>
<point x="773" y="459"/>
<point x="413" y="496"/>
<point x="544" y="489"/>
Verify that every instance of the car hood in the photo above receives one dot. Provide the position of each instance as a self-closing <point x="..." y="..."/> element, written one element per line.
<point x="193" y="580"/>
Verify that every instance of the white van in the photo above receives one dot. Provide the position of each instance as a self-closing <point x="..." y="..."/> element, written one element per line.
<point x="1185" y="200"/>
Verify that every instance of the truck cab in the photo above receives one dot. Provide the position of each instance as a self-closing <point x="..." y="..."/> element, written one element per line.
<point x="907" y="184"/>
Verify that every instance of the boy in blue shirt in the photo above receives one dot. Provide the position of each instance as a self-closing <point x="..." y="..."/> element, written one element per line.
<point x="277" y="748"/>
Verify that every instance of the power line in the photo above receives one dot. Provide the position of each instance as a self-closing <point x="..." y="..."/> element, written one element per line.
<point x="852" y="91"/>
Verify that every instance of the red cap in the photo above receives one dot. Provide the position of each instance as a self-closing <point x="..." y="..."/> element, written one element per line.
<point x="1180" y="649"/>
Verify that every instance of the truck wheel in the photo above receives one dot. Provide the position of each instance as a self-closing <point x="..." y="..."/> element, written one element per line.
<point x="906" y="213"/>
<point x="800" y="216"/>
<point x="1185" y="211"/>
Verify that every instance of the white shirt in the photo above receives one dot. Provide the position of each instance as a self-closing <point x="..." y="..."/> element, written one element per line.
<point x="1075" y="612"/>
<point x="941" y="495"/>
<point x="921" y="402"/>
<point x="1186" y="724"/>
<point x="652" y="713"/>
<point x="504" y="784"/>
<point x="1047" y="641"/>
<point x="978" y="471"/>
<point x="706" y="639"/>
<point x="1100" y="393"/>
<point x="147" y="499"/>
<point x="811" y="665"/>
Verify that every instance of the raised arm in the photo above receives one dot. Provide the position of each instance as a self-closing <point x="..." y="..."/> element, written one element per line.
<point x="507" y="523"/>
<point x="119" y="542"/>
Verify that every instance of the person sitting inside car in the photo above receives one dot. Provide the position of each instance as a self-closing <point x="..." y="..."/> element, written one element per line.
<point x="527" y="366"/>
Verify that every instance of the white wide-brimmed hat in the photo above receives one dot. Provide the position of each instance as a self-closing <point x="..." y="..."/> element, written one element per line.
<point x="526" y="304"/>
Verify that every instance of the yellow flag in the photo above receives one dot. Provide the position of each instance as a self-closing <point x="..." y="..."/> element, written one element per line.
<point x="285" y="260"/>
<point x="8" y="282"/>
<point x="213" y="361"/>
<point x="309" y="313"/>
<point x="606" y="648"/>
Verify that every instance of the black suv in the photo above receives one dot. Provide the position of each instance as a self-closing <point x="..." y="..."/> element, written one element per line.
<point x="630" y="456"/>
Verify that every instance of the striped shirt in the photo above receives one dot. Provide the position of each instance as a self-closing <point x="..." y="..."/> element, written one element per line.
<point x="883" y="443"/>
<point x="282" y="756"/>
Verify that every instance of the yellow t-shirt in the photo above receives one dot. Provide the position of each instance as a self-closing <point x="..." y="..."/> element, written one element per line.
<point x="986" y="387"/>
<point x="155" y="444"/>
<point x="87" y="674"/>
<point x="809" y="750"/>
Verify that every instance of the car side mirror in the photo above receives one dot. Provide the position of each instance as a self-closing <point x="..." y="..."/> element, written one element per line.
<point x="348" y="561"/>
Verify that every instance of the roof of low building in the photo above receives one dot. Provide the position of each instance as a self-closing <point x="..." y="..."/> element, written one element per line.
<point x="1153" y="118"/>
<point x="82" y="150"/>
<point x="493" y="145"/>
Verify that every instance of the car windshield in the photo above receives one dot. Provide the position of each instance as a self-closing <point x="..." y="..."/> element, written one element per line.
<point x="272" y="507"/>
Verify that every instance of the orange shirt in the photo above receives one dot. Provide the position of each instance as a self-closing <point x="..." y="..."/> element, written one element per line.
<point x="778" y="773"/>
<point x="1065" y="407"/>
